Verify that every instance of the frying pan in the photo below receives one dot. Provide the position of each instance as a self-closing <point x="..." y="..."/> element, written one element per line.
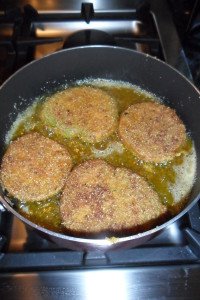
<point x="106" y="62"/>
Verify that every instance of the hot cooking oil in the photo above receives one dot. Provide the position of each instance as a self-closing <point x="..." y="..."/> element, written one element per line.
<point x="160" y="176"/>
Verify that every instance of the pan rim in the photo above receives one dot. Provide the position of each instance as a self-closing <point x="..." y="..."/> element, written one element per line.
<point x="104" y="242"/>
<point x="147" y="56"/>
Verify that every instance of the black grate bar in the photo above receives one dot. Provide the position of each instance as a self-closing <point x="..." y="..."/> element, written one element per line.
<point x="40" y="260"/>
<point x="153" y="256"/>
<point x="170" y="41"/>
<point x="194" y="218"/>
<point x="194" y="240"/>
<point x="72" y="259"/>
<point x="138" y="39"/>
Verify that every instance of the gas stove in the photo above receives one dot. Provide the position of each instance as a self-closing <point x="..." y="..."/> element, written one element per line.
<point x="168" y="266"/>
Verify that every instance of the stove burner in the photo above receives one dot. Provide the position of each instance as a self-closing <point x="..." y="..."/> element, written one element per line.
<point x="89" y="37"/>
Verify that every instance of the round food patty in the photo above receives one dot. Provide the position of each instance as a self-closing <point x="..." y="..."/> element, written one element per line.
<point x="100" y="198"/>
<point x="152" y="131"/>
<point x="86" y="112"/>
<point x="34" y="168"/>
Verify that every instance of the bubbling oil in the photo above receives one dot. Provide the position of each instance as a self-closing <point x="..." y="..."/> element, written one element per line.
<point x="168" y="179"/>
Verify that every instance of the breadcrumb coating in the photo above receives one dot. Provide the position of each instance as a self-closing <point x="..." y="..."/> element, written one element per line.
<point x="152" y="131"/>
<point x="100" y="198"/>
<point x="34" y="168"/>
<point x="86" y="112"/>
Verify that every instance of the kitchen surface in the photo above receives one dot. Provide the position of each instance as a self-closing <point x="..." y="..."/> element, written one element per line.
<point x="166" y="267"/>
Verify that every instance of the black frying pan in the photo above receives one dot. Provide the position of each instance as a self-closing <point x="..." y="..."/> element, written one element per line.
<point x="106" y="62"/>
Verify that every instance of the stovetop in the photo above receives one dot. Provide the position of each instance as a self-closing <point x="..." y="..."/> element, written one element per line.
<point x="168" y="266"/>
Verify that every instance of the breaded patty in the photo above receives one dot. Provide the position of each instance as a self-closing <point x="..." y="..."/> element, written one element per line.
<point x="34" y="168"/>
<point x="87" y="112"/>
<point x="100" y="198"/>
<point x="152" y="131"/>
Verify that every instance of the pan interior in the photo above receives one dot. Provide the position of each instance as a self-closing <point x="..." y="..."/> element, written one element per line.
<point x="67" y="67"/>
<point x="165" y="178"/>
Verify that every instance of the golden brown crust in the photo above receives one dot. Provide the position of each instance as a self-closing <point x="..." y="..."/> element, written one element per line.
<point x="152" y="131"/>
<point x="100" y="198"/>
<point x="34" y="167"/>
<point x="87" y="112"/>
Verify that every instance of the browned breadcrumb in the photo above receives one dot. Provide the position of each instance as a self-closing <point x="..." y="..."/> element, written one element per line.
<point x="98" y="197"/>
<point x="34" y="167"/>
<point x="152" y="131"/>
<point x="87" y="112"/>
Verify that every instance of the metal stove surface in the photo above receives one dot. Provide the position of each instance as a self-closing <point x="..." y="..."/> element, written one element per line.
<point x="166" y="267"/>
<point x="105" y="284"/>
